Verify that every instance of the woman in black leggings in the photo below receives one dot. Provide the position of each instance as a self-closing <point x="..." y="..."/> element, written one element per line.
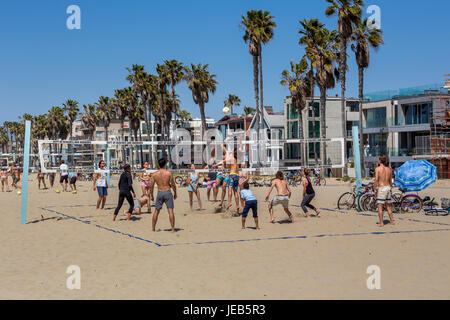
<point x="308" y="193"/>
<point x="125" y="190"/>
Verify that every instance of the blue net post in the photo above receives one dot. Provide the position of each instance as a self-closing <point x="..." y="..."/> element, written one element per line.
<point x="108" y="164"/>
<point x="26" y="165"/>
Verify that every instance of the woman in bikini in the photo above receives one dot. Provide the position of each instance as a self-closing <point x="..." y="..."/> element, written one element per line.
<point x="4" y="179"/>
<point x="41" y="178"/>
<point x="145" y="178"/>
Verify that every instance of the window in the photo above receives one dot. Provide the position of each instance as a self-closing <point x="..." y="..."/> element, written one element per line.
<point x="311" y="132"/>
<point x="294" y="129"/>
<point x="311" y="149"/>
<point x="376" y="118"/>
<point x="316" y="109"/>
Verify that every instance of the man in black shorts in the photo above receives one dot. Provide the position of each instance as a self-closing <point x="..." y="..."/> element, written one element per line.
<point x="164" y="180"/>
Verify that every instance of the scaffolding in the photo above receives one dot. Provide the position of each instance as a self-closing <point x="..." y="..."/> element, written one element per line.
<point x="439" y="140"/>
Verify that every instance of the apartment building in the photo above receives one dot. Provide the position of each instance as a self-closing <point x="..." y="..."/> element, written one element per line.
<point x="408" y="124"/>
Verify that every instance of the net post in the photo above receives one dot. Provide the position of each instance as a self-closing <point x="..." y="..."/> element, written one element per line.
<point x="357" y="158"/>
<point x="26" y="160"/>
<point x="108" y="163"/>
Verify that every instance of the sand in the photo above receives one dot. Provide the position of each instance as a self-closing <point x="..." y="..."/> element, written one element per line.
<point x="207" y="258"/>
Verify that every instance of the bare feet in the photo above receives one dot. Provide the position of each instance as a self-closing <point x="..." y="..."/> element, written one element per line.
<point x="317" y="213"/>
<point x="114" y="218"/>
<point x="290" y="218"/>
<point x="392" y="222"/>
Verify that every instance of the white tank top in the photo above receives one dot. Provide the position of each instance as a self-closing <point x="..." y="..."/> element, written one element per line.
<point x="101" y="181"/>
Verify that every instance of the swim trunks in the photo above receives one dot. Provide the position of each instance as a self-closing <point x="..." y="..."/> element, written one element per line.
<point x="283" y="200"/>
<point x="233" y="181"/>
<point x="384" y="195"/>
<point x="164" y="197"/>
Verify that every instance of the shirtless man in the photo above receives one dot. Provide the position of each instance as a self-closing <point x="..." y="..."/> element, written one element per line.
<point x="383" y="189"/>
<point x="164" y="180"/>
<point x="15" y="173"/>
<point x="282" y="197"/>
<point x="230" y="162"/>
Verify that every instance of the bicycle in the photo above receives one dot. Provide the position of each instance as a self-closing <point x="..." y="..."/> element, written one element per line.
<point x="319" y="180"/>
<point x="430" y="210"/>
<point x="347" y="200"/>
<point x="400" y="202"/>
<point x="181" y="180"/>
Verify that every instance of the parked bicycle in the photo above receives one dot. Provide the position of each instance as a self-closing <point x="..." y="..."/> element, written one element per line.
<point x="401" y="202"/>
<point x="430" y="207"/>
<point x="347" y="200"/>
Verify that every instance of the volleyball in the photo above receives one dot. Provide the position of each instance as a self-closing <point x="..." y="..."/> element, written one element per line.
<point x="57" y="191"/>
<point x="19" y="192"/>
<point x="74" y="191"/>
<point x="226" y="110"/>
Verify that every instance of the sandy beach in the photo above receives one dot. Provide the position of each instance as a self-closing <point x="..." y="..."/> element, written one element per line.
<point x="210" y="257"/>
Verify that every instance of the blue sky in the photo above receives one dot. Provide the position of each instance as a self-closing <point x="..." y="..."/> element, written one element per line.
<point x="43" y="63"/>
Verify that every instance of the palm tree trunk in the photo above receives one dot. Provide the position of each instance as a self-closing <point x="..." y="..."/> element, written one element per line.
<point x="361" y="142"/>
<point x="323" y="127"/>
<point x="261" y="85"/>
<point x="311" y="76"/>
<point x="258" y="111"/>
<point x="300" y="134"/>
<point x="342" y="66"/>
<point x="140" y="147"/>
<point x="122" y="139"/>
<point x="202" y="114"/>
<point x="153" y="131"/>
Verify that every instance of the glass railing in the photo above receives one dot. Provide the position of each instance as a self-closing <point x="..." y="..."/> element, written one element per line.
<point x="378" y="123"/>
<point x="401" y="152"/>
<point x="375" y="151"/>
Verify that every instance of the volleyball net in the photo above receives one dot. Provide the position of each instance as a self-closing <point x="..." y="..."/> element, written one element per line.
<point x="263" y="157"/>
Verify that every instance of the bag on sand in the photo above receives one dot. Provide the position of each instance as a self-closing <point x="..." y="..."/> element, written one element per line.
<point x="445" y="203"/>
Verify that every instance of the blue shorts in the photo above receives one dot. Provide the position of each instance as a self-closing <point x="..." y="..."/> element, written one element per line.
<point x="252" y="204"/>
<point x="102" y="191"/>
<point x="233" y="181"/>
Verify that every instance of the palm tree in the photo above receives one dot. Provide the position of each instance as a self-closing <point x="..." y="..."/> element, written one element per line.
<point x="119" y="103"/>
<point x="326" y="55"/>
<point x="310" y="31"/>
<point x="363" y="38"/>
<point x="300" y="89"/>
<point x="265" y="26"/>
<point x="249" y="110"/>
<point x="90" y="118"/>
<point x="71" y="108"/>
<point x="184" y="116"/>
<point x="175" y="72"/>
<point x="348" y="12"/>
<point x="231" y="101"/>
<point x="4" y="139"/>
<point x="105" y="112"/>
<point x="251" y="36"/>
<point x="201" y="83"/>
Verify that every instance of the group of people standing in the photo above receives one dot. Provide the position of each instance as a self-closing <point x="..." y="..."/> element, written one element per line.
<point x="14" y="172"/>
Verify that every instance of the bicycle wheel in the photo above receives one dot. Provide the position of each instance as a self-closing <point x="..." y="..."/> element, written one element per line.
<point x="370" y="203"/>
<point x="361" y="201"/>
<point x="179" y="180"/>
<point x="437" y="212"/>
<point x="322" y="182"/>
<point x="411" y="203"/>
<point x="396" y="202"/>
<point x="346" y="201"/>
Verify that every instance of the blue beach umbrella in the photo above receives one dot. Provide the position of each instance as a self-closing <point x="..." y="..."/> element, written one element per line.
<point x="415" y="175"/>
